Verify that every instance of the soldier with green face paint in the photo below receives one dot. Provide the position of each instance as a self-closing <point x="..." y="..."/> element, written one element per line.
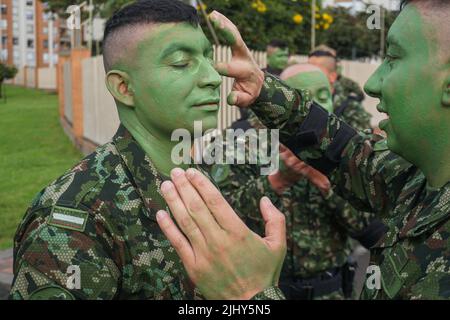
<point x="277" y="57"/>
<point x="347" y="96"/>
<point x="412" y="261"/>
<point x="93" y="233"/>
<point x="319" y="223"/>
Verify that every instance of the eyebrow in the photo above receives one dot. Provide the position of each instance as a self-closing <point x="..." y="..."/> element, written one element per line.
<point x="174" y="47"/>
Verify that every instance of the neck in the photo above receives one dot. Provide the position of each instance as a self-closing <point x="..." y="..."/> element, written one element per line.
<point x="156" y="145"/>
<point x="436" y="166"/>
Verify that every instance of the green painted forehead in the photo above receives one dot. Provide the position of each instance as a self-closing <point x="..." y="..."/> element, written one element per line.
<point x="159" y="41"/>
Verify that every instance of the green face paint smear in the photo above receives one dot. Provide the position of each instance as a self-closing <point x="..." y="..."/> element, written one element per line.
<point x="317" y="83"/>
<point x="223" y="32"/>
<point x="278" y="59"/>
<point x="409" y="86"/>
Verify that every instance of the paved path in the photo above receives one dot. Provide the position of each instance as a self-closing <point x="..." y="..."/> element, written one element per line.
<point x="6" y="272"/>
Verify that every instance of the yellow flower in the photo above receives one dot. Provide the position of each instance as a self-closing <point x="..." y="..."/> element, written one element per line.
<point x="262" y="8"/>
<point x="201" y="6"/>
<point x="326" y="26"/>
<point x="297" y="18"/>
<point x="328" y="18"/>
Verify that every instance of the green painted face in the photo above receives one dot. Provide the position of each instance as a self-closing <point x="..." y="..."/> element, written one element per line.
<point x="174" y="79"/>
<point x="409" y="85"/>
<point x="278" y="59"/>
<point x="317" y="83"/>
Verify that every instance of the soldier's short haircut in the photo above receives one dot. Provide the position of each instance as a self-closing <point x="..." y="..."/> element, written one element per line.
<point x="276" y="43"/>
<point x="123" y="23"/>
<point x="437" y="12"/>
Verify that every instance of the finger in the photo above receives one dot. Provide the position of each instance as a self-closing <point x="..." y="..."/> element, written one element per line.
<point x="283" y="148"/>
<point x="195" y="205"/>
<point x="240" y="99"/>
<point x="229" y="32"/>
<point x="236" y="69"/>
<point x="176" y="238"/>
<point x="218" y="206"/>
<point x="181" y="215"/>
<point x="275" y="224"/>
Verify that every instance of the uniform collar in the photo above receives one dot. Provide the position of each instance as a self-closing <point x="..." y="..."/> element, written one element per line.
<point x="143" y="173"/>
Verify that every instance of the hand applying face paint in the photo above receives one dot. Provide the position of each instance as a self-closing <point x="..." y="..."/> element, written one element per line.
<point x="242" y="67"/>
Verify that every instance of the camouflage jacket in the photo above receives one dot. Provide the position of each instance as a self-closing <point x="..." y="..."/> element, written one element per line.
<point x="98" y="222"/>
<point x="348" y="105"/>
<point x="346" y="87"/>
<point x="412" y="261"/>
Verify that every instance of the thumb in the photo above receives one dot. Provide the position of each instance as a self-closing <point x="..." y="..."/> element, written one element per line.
<point x="239" y="99"/>
<point x="275" y="224"/>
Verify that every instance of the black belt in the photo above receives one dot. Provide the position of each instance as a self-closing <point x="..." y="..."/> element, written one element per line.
<point x="296" y="288"/>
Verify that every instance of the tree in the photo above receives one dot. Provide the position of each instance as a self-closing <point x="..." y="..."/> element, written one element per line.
<point x="6" y="72"/>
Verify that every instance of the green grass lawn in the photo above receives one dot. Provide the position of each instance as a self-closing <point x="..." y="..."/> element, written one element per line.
<point x="34" y="151"/>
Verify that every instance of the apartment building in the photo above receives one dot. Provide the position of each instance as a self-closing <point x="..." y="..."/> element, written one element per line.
<point x="30" y="36"/>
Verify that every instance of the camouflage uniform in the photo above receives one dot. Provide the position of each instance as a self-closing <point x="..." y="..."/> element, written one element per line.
<point x="346" y="87"/>
<point x="319" y="226"/>
<point x="414" y="256"/>
<point x="347" y="104"/>
<point x="100" y="218"/>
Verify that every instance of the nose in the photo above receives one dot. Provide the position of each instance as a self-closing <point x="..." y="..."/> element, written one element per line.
<point x="373" y="85"/>
<point x="209" y="77"/>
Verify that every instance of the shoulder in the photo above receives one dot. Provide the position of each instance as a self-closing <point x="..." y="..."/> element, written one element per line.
<point x="72" y="200"/>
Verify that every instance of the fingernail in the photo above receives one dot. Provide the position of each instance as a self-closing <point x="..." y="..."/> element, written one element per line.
<point x="266" y="201"/>
<point x="160" y="215"/>
<point x="176" y="172"/>
<point x="190" y="173"/>
<point x="166" y="187"/>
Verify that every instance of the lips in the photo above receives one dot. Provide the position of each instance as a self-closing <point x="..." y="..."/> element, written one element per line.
<point x="207" y="103"/>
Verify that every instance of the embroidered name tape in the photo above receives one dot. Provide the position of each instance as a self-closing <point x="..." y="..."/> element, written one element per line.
<point x="68" y="218"/>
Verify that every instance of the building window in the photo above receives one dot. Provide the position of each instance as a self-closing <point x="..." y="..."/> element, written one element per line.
<point x="15" y="41"/>
<point x="4" y="9"/>
<point x="4" y="40"/>
<point x="30" y="28"/>
<point x="3" y="24"/>
<point x="30" y="43"/>
<point x="46" y="44"/>
<point x="29" y="2"/>
<point x="29" y="15"/>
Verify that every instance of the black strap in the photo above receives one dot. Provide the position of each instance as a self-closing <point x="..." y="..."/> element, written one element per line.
<point x="371" y="234"/>
<point x="309" y="288"/>
<point x="310" y="132"/>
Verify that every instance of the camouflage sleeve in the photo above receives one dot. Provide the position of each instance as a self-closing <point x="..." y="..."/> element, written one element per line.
<point x="368" y="175"/>
<point x="350" y="219"/>
<point x="357" y="117"/>
<point x="271" y="293"/>
<point x="432" y="261"/>
<point x="63" y="262"/>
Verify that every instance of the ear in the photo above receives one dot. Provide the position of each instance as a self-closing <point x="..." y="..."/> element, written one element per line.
<point x="446" y="93"/>
<point x="118" y="84"/>
<point x="333" y="77"/>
